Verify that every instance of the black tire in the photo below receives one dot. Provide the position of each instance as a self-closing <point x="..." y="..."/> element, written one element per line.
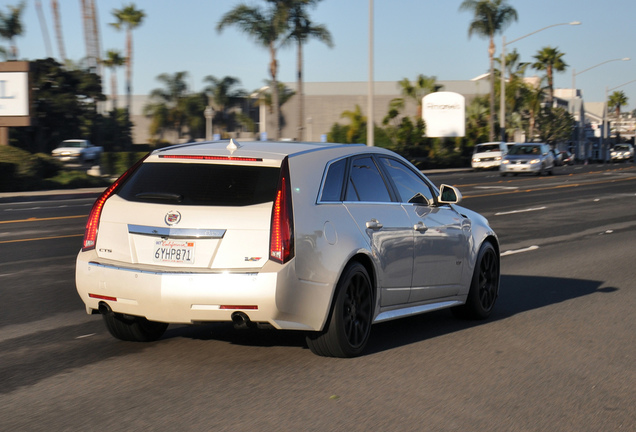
<point x="134" y="329"/>
<point x="349" y="325"/>
<point x="484" y="287"/>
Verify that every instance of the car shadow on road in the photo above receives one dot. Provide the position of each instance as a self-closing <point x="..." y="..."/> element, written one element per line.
<point x="517" y="294"/>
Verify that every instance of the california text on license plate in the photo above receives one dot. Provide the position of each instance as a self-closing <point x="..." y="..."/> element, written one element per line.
<point x="174" y="251"/>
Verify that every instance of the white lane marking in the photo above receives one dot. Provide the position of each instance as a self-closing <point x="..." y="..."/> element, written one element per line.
<point x="86" y="335"/>
<point x="512" y="252"/>
<point x="497" y="187"/>
<point x="520" y="211"/>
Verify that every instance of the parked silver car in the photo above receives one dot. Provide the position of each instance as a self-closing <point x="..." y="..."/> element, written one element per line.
<point x="534" y="158"/>
<point x="324" y="238"/>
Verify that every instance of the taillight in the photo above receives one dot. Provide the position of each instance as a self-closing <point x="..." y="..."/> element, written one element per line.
<point x="281" y="243"/>
<point x="92" y="224"/>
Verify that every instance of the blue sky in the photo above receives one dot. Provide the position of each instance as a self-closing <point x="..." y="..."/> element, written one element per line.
<point x="412" y="37"/>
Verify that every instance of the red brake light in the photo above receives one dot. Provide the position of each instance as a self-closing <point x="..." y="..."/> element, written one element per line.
<point x="281" y="244"/>
<point x="219" y="158"/>
<point x="92" y="224"/>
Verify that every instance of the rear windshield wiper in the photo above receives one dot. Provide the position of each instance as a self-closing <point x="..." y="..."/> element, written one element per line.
<point x="160" y="196"/>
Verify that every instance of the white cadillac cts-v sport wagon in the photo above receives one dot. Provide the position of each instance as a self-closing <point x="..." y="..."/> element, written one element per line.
<point x="325" y="238"/>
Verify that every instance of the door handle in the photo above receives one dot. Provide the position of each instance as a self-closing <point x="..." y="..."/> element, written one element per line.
<point x="420" y="227"/>
<point x="374" y="224"/>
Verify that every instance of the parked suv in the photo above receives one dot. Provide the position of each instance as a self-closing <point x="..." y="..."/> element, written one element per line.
<point x="535" y="158"/>
<point x="324" y="238"/>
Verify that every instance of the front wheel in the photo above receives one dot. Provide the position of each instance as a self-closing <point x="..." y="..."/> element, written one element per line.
<point x="134" y="329"/>
<point x="484" y="287"/>
<point x="349" y="325"/>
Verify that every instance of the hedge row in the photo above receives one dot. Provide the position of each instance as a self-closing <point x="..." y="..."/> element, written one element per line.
<point x="24" y="171"/>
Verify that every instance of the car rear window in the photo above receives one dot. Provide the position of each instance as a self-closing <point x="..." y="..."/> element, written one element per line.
<point x="201" y="184"/>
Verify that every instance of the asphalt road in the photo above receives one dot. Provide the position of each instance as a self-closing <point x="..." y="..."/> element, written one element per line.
<point x="559" y="354"/>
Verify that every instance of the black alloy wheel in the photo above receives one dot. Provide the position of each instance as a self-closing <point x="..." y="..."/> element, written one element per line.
<point x="349" y="325"/>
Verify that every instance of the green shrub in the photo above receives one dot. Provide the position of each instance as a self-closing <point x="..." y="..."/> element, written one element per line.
<point x="116" y="163"/>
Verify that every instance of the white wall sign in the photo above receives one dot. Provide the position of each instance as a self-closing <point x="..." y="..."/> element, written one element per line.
<point x="14" y="94"/>
<point x="444" y="114"/>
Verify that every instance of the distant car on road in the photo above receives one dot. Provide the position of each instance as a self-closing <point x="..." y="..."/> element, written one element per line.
<point x="534" y="158"/>
<point x="622" y="153"/>
<point x="488" y="155"/>
<point x="77" y="150"/>
<point x="324" y="238"/>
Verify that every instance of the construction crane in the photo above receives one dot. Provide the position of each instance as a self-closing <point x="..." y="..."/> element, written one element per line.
<point x="45" y="31"/>
<point x="58" y="30"/>
<point x="91" y="36"/>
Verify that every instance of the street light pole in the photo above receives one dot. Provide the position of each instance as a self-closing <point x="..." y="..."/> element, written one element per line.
<point x="502" y="108"/>
<point x="370" y="137"/>
<point x="574" y="73"/>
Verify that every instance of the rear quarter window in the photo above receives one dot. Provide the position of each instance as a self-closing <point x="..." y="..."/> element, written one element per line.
<point x="201" y="184"/>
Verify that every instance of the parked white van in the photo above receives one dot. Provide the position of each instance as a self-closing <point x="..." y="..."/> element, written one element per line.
<point x="488" y="155"/>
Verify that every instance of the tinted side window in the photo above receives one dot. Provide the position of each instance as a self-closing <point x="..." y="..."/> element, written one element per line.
<point x="201" y="184"/>
<point x="407" y="182"/>
<point x="365" y="182"/>
<point x="332" y="189"/>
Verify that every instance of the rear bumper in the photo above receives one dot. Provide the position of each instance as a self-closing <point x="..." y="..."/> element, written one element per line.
<point x="274" y="297"/>
<point x="520" y="168"/>
<point x="486" y="164"/>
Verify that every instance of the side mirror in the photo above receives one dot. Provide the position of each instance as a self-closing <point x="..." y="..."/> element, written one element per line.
<point x="449" y="195"/>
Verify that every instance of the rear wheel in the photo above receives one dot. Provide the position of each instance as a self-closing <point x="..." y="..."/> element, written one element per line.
<point x="349" y="325"/>
<point x="134" y="329"/>
<point x="484" y="288"/>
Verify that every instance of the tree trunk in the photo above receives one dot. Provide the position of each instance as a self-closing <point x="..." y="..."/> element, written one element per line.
<point x="301" y="96"/>
<point x="550" y="85"/>
<point x="113" y="88"/>
<point x="129" y="70"/>
<point x="491" y="120"/>
<point x="273" y="69"/>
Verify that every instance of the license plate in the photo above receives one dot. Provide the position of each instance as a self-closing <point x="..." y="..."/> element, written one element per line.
<point x="174" y="251"/>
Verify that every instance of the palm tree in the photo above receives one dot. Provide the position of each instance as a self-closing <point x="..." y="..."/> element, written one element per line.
<point x="516" y="88"/>
<point x="222" y="94"/>
<point x="267" y="27"/>
<point x="423" y="85"/>
<point x="11" y="26"/>
<point x="166" y="107"/>
<point x="302" y="29"/>
<point x="550" y="60"/>
<point x="284" y="95"/>
<point x="533" y="99"/>
<point x="358" y="124"/>
<point x="617" y="100"/>
<point x="490" y="17"/>
<point x="128" y="18"/>
<point x="112" y="61"/>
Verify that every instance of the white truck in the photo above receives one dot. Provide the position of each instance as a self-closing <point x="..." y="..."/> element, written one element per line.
<point x="488" y="155"/>
<point x="77" y="150"/>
